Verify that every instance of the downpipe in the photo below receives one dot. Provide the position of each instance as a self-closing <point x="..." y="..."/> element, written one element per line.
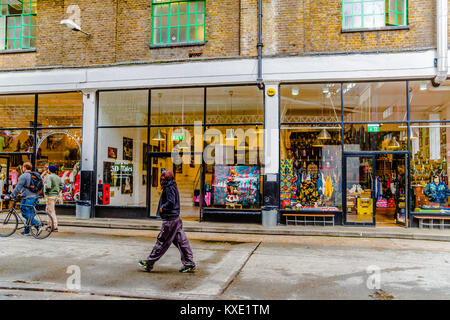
<point x="442" y="42"/>
<point x="259" y="80"/>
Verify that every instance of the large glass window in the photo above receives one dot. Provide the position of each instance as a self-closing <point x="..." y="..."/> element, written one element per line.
<point x="60" y="110"/>
<point x="373" y="13"/>
<point x="309" y="103"/>
<point x="428" y="103"/>
<point x="310" y="167"/>
<point x="17" y="24"/>
<point x="128" y="107"/>
<point x="177" y="22"/>
<point x="375" y="137"/>
<point x="122" y="165"/>
<point x="17" y="111"/>
<point x="375" y="101"/>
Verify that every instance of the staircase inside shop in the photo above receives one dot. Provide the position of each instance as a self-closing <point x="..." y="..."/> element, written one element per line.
<point x="187" y="182"/>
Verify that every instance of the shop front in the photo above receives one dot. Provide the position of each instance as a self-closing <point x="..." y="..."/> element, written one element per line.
<point x="44" y="129"/>
<point x="367" y="153"/>
<point x="210" y="137"/>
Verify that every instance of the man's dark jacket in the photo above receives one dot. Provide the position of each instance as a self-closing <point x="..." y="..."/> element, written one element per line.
<point x="169" y="202"/>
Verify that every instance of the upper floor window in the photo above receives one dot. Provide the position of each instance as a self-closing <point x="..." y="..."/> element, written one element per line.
<point x="178" y="22"/>
<point x="17" y="24"/>
<point x="358" y="14"/>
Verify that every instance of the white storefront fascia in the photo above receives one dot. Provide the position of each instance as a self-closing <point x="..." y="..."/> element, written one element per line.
<point x="345" y="67"/>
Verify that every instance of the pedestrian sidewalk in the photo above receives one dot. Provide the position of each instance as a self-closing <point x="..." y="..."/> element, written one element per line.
<point x="246" y="228"/>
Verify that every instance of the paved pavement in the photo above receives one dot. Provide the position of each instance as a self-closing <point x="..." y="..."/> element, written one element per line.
<point x="230" y="266"/>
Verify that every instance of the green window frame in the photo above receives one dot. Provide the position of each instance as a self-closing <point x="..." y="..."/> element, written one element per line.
<point x="178" y="22"/>
<point x="366" y="14"/>
<point x="18" y="24"/>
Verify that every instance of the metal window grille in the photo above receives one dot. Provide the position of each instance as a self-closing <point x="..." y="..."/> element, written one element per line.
<point x="177" y="22"/>
<point x="373" y="13"/>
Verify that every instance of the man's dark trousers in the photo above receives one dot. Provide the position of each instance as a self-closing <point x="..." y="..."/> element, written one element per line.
<point x="172" y="232"/>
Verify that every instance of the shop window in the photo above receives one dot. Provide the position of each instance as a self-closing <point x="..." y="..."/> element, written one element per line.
<point x="60" y="110"/>
<point x="307" y="103"/>
<point x="375" y="101"/>
<point x="227" y="105"/>
<point x="233" y="167"/>
<point x="429" y="103"/>
<point x="310" y="168"/>
<point x="429" y="151"/>
<point x="17" y="111"/>
<point x="361" y="14"/>
<point x="16" y="141"/>
<point x="17" y="24"/>
<point x="61" y="148"/>
<point x="125" y="108"/>
<point x="375" y="137"/>
<point x="178" y="22"/>
<point x="177" y="106"/>
<point x="122" y="166"/>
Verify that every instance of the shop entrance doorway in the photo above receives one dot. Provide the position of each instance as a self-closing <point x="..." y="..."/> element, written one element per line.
<point x="187" y="177"/>
<point x="376" y="190"/>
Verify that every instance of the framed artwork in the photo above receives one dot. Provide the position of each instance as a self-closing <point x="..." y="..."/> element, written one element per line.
<point x="112" y="153"/>
<point x="155" y="177"/>
<point x="126" y="178"/>
<point x="155" y="159"/>
<point x="144" y="156"/>
<point x="108" y="173"/>
<point x="127" y="149"/>
<point x="179" y="168"/>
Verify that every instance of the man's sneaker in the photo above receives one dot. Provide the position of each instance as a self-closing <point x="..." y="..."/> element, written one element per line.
<point x="143" y="264"/>
<point x="25" y="233"/>
<point x="38" y="229"/>
<point x="187" y="269"/>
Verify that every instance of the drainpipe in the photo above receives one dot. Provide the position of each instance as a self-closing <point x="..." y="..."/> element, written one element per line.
<point x="442" y="42"/>
<point x="259" y="81"/>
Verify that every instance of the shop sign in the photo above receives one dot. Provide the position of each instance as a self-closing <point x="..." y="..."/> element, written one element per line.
<point x="177" y="136"/>
<point x="373" y="128"/>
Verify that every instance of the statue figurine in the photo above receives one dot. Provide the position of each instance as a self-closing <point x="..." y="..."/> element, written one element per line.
<point x="437" y="191"/>
<point x="233" y="188"/>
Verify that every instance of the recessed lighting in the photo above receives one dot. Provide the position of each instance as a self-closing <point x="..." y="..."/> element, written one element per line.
<point x="294" y="91"/>
<point x="423" y="85"/>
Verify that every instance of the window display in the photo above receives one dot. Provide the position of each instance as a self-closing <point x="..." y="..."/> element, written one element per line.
<point x="310" y="168"/>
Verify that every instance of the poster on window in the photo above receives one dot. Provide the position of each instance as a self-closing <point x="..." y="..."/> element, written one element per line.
<point x="127" y="149"/>
<point x="236" y="186"/>
<point x="126" y="178"/>
<point x="111" y="171"/>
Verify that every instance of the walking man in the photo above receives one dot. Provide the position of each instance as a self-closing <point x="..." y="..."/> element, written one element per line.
<point x="29" y="197"/>
<point x="172" y="227"/>
<point x="53" y="187"/>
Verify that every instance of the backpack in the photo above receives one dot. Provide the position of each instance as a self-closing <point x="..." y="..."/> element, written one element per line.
<point x="36" y="183"/>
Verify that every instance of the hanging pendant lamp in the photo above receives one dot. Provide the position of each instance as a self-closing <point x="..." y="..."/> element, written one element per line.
<point x="394" y="144"/>
<point x="323" y="135"/>
<point x="158" y="136"/>
<point x="317" y="143"/>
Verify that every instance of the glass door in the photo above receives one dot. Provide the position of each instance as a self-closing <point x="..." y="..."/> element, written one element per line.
<point x="157" y="164"/>
<point x="359" y="184"/>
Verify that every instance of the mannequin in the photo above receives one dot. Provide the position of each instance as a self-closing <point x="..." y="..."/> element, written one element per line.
<point x="437" y="191"/>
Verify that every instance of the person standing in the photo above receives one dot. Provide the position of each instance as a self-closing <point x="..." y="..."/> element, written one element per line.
<point x="30" y="197"/>
<point x="171" y="229"/>
<point x="53" y="187"/>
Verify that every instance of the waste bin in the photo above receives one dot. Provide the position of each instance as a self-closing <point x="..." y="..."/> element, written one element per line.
<point x="269" y="216"/>
<point x="83" y="209"/>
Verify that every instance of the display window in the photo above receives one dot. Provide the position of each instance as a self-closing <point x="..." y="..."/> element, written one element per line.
<point x="310" y="103"/>
<point x="430" y="145"/>
<point x="310" y="167"/>
<point x="375" y="137"/>
<point x="60" y="110"/>
<point x="124" y="108"/>
<point x="122" y="166"/>
<point x="374" y="101"/>
<point x="17" y="111"/>
<point x="16" y="141"/>
<point x="177" y="106"/>
<point x="429" y="103"/>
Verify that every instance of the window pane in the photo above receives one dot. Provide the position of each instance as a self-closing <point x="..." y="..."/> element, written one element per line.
<point x="177" y="106"/>
<point x="357" y="8"/>
<point x="386" y="137"/>
<point x="16" y="141"/>
<point x="192" y="7"/>
<point x="120" y="164"/>
<point x="348" y="22"/>
<point x="304" y="159"/>
<point x="174" y="8"/>
<point x="156" y="35"/>
<point x="200" y="33"/>
<point x="192" y="34"/>
<point x="429" y="103"/>
<point x="16" y="111"/>
<point x="183" y="34"/>
<point x="165" y="35"/>
<point x="183" y="19"/>
<point x="375" y="101"/>
<point x="310" y="103"/>
<point x="60" y="110"/>
<point x="62" y="148"/>
<point x="183" y="7"/>
<point x="173" y="35"/>
<point x="201" y="6"/>
<point x="200" y="19"/>
<point x="123" y="107"/>
<point x="164" y="21"/>
<point x="234" y="105"/>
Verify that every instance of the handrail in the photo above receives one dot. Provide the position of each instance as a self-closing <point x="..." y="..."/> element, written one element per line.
<point x="197" y="178"/>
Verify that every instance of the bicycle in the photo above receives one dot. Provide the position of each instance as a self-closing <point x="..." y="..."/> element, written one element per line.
<point x="9" y="221"/>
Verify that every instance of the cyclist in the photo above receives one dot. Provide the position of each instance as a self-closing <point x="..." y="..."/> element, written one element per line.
<point x="29" y="198"/>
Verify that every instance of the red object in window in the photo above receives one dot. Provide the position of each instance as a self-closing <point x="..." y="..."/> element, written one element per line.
<point x="106" y="193"/>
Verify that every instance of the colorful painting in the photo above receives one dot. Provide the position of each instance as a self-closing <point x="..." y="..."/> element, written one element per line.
<point x="243" y="181"/>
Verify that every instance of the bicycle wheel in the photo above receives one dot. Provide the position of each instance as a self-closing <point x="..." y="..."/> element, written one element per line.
<point x="8" y="223"/>
<point x="45" y="226"/>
